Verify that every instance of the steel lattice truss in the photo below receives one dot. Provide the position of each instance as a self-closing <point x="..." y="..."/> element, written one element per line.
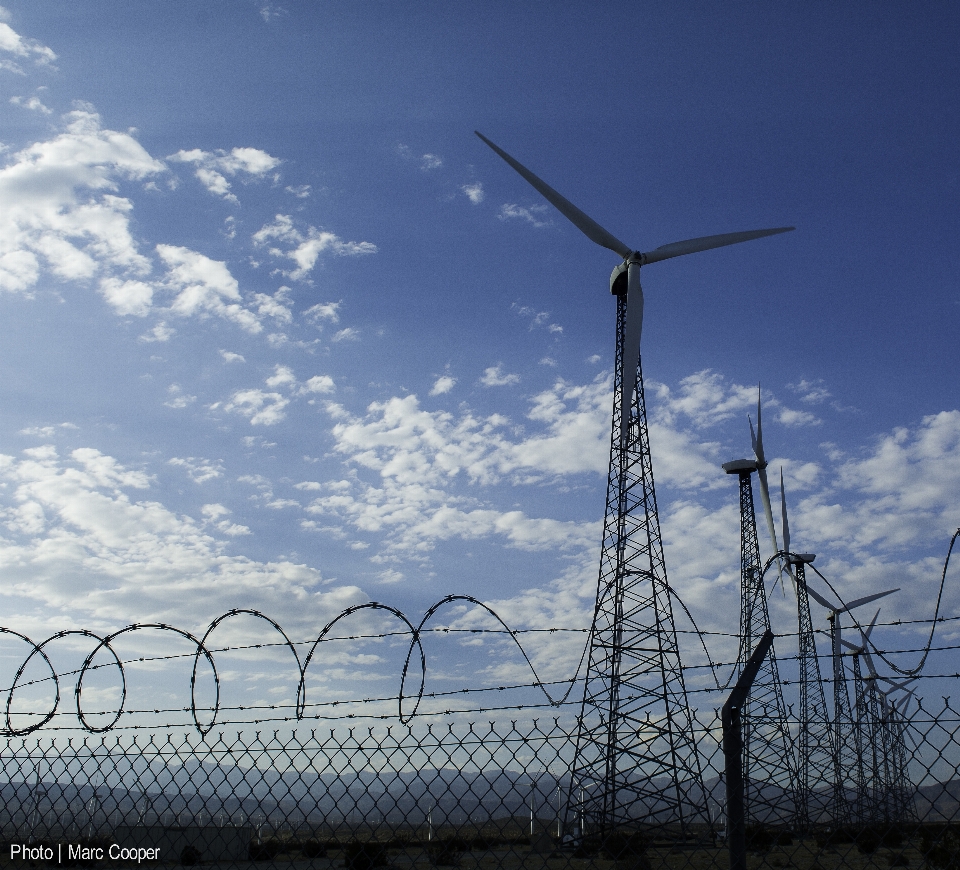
<point x="636" y="758"/>
<point x="817" y="763"/>
<point x="769" y="766"/>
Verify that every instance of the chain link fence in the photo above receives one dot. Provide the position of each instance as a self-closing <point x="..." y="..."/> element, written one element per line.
<point x="457" y="794"/>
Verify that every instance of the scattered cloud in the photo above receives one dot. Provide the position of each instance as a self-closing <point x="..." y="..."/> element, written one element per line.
<point x="213" y="167"/>
<point x="304" y="248"/>
<point x="496" y="377"/>
<point x="178" y="398"/>
<point x="199" y="470"/>
<point x="301" y="191"/>
<point x="231" y="357"/>
<point x="204" y="286"/>
<point x="13" y="45"/>
<point x="813" y="392"/>
<point x="473" y="192"/>
<point x="33" y="103"/>
<point x="430" y="161"/>
<point x="62" y="214"/>
<point x="537" y="319"/>
<point x="328" y="311"/>
<point x="442" y="385"/>
<point x="532" y="215"/>
<point x="71" y="518"/>
<point x="347" y="334"/>
<point x="268" y="407"/>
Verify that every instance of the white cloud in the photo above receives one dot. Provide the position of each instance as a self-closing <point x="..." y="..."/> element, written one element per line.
<point x="323" y="311"/>
<point x="301" y="191"/>
<point x="268" y="407"/>
<point x="442" y="385"/>
<point x="532" y="215"/>
<point x="812" y="392"/>
<point x="199" y="470"/>
<point x="318" y="384"/>
<point x="430" y="161"/>
<point x="347" y="334"/>
<point x="537" y="318"/>
<point x="305" y="249"/>
<point x="76" y="544"/>
<point x="61" y="213"/>
<point x="473" y="192"/>
<point x="33" y="103"/>
<point x="230" y="357"/>
<point x="214" y="166"/>
<point x="160" y="332"/>
<point x="283" y="376"/>
<point x="204" y="286"/>
<point x="263" y="408"/>
<point x="12" y="43"/>
<point x="496" y="377"/>
<point x="418" y="456"/>
<point x="178" y="398"/>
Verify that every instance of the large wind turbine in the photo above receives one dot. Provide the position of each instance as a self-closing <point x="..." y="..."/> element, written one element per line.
<point x="625" y="277"/>
<point x="636" y="734"/>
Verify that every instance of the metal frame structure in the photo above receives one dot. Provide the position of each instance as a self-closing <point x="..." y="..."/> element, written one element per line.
<point x="769" y="765"/>
<point x="635" y="734"/>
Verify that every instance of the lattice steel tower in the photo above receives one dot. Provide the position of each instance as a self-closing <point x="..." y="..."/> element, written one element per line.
<point x="636" y="756"/>
<point x="817" y="800"/>
<point x="769" y="766"/>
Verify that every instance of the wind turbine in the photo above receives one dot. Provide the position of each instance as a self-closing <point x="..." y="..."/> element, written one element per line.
<point x="625" y="277"/>
<point x="767" y="756"/>
<point x="844" y="727"/>
<point x="636" y="733"/>
<point x="816" y="748"/>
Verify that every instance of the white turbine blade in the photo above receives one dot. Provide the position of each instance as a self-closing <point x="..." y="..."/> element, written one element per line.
<point x="706" y="243"/>
<point x="631" y="348"/>
<point x="783" y="512"/>
<point x="866" y="634"/>
<point x="762" y="477"/>
<point x="866" y="600"/>
<point x="589" y="227"/>
<point x="902" y="685"/>
<point x="852" y="646"/>
<point x="816" y="596"/>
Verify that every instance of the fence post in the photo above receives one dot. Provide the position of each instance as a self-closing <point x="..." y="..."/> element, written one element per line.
<point x="733" y="755"/>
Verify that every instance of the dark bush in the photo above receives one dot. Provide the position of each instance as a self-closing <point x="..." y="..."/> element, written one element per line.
<point x="314" y="849"/>
<point x="588" y="847"/>
<point x="623" y="846"/>
<point x="760" y="838"/>
<point x="940" y="847"/>
<point x="265" y="851"/>
<point x="834" y="837"/>
<point x="190" y="856"/>
<point x="446" y="852"/>
<point x="364" y="856"/>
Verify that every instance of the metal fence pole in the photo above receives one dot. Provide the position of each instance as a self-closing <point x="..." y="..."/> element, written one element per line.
<point x="733" y="755"/>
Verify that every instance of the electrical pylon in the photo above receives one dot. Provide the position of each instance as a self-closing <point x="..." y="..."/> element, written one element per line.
<point x="769" y="769"/>
<point x="636" y="757"/>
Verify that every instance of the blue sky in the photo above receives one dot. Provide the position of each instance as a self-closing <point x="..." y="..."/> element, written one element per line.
<point x="281" y="333"/>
